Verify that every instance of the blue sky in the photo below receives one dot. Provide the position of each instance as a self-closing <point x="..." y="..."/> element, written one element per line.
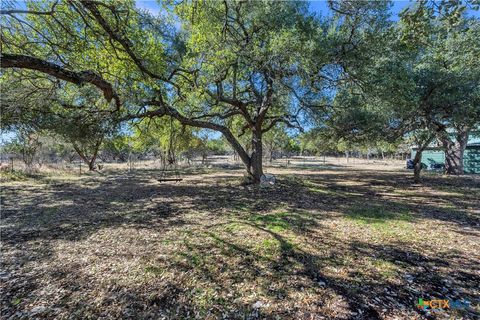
<point x="6" y="137"/>
<point x="320" y="7"/>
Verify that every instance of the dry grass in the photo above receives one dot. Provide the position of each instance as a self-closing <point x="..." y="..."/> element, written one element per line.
<point x="344" y="243"/>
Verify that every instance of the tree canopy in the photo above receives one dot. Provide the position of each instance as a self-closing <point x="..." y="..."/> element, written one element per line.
<point x="243" y="68"/>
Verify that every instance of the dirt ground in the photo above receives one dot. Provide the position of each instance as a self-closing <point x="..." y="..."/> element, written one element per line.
<point x="331" y="241"/>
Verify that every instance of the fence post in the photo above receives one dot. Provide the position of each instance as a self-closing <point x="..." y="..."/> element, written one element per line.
<point x="80" y="167"/>
<point x="11" y="160"/>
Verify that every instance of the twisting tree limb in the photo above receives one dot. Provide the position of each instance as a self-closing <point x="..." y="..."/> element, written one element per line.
<point x="82" y="77"/>
<point x="165" y="110"/>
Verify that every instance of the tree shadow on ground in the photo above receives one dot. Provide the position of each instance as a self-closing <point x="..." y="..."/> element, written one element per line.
<point x="289" y="221"/>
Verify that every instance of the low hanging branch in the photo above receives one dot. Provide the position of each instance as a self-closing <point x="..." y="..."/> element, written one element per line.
<point x="165" y="110"/>
<point x="79" y="78"/>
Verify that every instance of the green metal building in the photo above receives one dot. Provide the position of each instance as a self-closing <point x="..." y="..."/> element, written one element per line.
<point x="434" y="157"/>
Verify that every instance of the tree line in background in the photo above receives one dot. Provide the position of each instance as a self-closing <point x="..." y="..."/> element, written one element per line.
<point x="156" y="141"/>
<point x="106" y="78"/>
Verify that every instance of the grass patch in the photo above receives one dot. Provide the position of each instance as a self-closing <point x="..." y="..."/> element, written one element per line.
<point x="275" y="222"/>
<point x="389" y="223"/>
<point x="270" y="248"/>
<point x="385" y="269"/>
<point x="233" y="227"/>
<point x="318" y="188"/>
<point x="157" y="271"/>
<point x="282" y="221"/>
<point x="377" y="215"/>
<point x="15" y="176"/>
<point x="16" y="301"/>
<point x="193" y="259"/>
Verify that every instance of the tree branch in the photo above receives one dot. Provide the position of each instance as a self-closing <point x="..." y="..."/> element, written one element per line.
<point x="165" y="110"/>
<point x="16" y="11"/>
<point x="78" y="78"/>
<point x="91" y="6"/>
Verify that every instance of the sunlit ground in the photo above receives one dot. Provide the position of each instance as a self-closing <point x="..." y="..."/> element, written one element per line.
<point x="325" y="242"/>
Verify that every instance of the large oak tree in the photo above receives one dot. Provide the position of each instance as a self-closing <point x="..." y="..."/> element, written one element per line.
<point x="234" y="67"/>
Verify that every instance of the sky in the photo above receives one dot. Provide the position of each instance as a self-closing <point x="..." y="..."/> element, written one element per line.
<point x="320" y="7"/>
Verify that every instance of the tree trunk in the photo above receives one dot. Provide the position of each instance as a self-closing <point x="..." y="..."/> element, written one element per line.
<point x="253" y="164"/>
<point x="89" y="162"/>
<point x="91" y="165"/>
<point x="454" y="151"/>
<point x="256" y="165"/>
<point x="417" y="160"/>
<point x="417" y="166"/>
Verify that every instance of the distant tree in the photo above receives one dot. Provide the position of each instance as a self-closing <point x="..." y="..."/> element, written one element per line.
<point x="77" y="115"/>
<point x="54" y="148"/>
<point x="27" y="144"/>
<point x="445" y="44"/>
<point x="86" y="138"/>
<point x="217" y="146"/>
<point x="420" y="78"/>
<point x="277" y="141"/>
<point x="164" y="139"/>
<point x="316" y="142"/>
<point x="116" y="147"/>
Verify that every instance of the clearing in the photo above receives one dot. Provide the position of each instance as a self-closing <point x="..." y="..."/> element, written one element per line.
<point x="324" y="242"/>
